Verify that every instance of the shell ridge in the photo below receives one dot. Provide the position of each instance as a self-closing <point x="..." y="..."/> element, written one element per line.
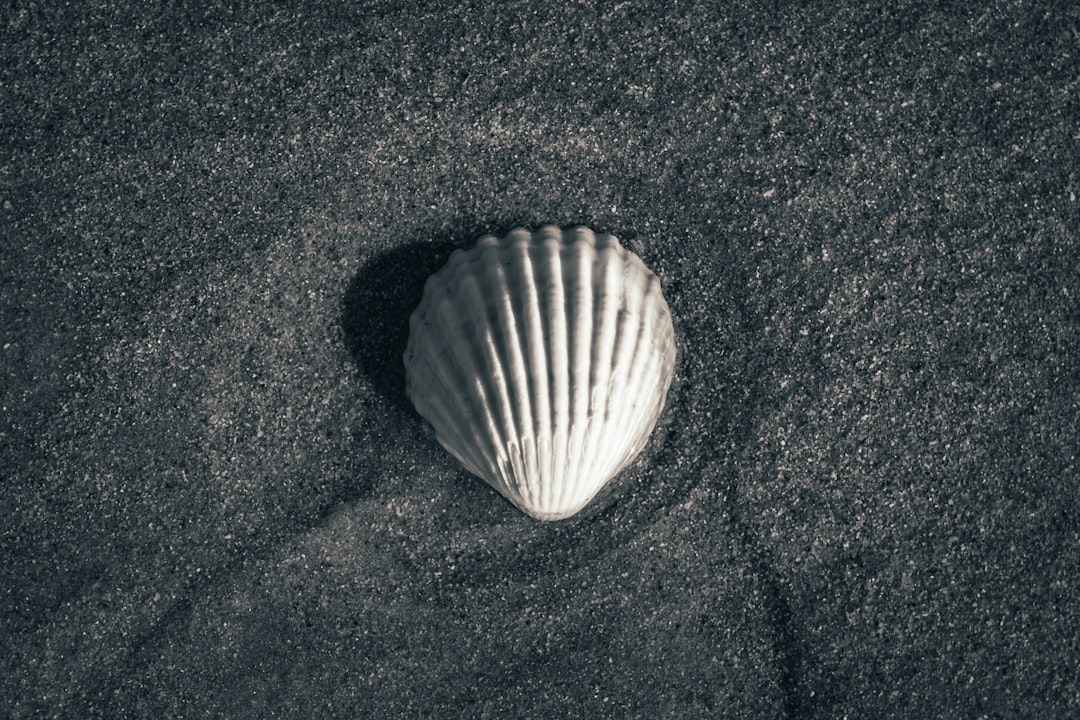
<point x="487" y="376"/>
<point x="499" y="385"/>
<point x="534" y="316"/>
<point x="558" y="371"/>
<point x="464" y="351"/>
<point x="580" y="339"/>
<point x="449" y="425"/>
<point x="523" y="362"/>
<point x="647" y="413"/>
<point x="460" y="382"/>
<point x="507" y="352"/>
<point x="607" y="299"/>
<point x="641" y="355"/>
<point x="539" y="362"/>
<point x="582" y="333"/>
<point x="658" y="369"/>
<point x="627" y="356"/>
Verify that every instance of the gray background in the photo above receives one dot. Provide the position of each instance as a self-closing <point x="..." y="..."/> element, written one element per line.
<point x="860" y="501"/>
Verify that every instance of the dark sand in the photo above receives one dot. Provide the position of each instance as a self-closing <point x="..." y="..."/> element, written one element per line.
<point x="860" y="502"/>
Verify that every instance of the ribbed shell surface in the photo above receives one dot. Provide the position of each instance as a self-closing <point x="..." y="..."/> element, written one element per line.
<point x="542" y="361"/>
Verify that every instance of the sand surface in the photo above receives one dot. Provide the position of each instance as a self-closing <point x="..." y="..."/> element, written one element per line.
<point x="861" y="500"/>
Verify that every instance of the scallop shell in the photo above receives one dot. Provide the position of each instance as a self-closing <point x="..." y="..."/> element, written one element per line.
<point x="542" y="361"/>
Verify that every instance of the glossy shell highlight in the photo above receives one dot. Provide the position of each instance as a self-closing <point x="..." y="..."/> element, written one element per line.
<point x="542" y="361"/>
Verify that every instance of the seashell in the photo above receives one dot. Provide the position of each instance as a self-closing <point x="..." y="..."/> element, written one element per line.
<point x="542" y="361"/>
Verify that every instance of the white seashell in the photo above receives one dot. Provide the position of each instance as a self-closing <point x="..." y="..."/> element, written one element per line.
<point x="542" y="361"/>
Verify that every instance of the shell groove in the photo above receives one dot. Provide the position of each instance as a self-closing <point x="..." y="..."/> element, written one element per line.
<point x="542" y="361"/>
